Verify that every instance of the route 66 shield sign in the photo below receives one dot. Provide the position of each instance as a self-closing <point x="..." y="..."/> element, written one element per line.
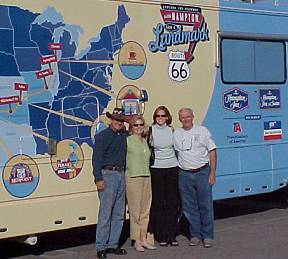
<point x="178" y="68"/>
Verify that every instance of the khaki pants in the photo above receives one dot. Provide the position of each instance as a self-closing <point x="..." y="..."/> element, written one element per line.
<point x="139" y="197"/>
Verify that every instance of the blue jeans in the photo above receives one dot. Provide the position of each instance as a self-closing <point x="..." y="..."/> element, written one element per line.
<point x="111" y="210"/>
<point x="197" y="202"/>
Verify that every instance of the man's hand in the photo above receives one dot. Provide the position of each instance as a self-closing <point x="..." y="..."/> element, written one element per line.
<point x="100" y="185"/>
<point x="213" y="163"/>
<point x="212" y="178"/>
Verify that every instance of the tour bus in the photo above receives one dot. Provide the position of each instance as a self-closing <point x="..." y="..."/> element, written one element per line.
<point x="64" y="64"/>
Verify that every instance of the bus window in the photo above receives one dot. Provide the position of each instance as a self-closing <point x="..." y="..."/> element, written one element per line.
<point x="249" y="61"/>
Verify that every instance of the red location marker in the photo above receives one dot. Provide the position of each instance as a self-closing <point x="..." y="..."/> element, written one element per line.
<point x="9" y="100"/>
<point x="43" y="74"/>
<point x="48" y="60"/>
<point x="54" y="46"/>
<point x="20" y="87"/>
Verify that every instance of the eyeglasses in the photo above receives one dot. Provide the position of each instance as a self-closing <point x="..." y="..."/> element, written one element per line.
<point x="139" y="124"/>
<point x="161" y="116"/>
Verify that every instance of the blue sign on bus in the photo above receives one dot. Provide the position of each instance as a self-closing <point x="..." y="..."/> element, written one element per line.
<point x="235" y="100"/>
<point x="269" y="98"/>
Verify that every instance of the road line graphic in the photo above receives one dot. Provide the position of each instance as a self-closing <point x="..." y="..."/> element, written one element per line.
<point x="5" y="148"/>
<point x="2" y="111"/>
<point x="73" y="118"/>
<point x="35" y="93"/>
<point x="28" y="130"/>
<point x="112" y="62"/>
<point x="40" y="136"/>
<point x="100" y="89"/>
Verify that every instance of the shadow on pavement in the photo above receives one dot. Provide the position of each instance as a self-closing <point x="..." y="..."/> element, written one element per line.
<point x="49" y="241"/>
<point x="86" y="235"/>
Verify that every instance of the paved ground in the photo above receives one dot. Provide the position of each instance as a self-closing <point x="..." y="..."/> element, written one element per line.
<point x="244" y="228"/>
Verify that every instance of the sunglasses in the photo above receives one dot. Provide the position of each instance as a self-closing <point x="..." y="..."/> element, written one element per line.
<point x="161" y="116"/>
<point x="137" y="125"/>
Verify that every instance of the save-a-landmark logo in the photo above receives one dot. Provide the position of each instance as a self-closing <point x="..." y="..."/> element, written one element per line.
<point x="182" y="25"/>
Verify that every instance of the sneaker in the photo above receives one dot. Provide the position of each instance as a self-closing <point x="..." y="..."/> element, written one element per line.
<point x="163" y="243"/>
<point x="174" y="242"/>
<point x="207" y="243"/>
<point x="194" y="241"/>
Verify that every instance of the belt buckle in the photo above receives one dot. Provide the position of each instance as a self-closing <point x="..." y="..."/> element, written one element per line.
<point x="116" y="168"/>
<point x="198" y="169"/>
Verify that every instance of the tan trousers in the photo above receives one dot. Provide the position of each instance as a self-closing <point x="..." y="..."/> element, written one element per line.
<point x="139" y="197"/>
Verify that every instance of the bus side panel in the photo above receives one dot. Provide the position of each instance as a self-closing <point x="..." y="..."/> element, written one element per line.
<point x="31" y="216"/>
<point x="248" y="118"/>
<point x="65" y="64"/>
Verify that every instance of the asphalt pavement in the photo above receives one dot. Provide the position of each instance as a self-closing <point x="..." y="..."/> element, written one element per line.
<point x="249" y="228"/>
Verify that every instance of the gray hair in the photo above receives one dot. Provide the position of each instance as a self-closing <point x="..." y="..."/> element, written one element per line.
<point x="187" y="110"/>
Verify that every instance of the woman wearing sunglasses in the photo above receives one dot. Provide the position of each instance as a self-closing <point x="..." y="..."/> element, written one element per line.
<point x="164" y="176"/>
<point x="138" y="183"/>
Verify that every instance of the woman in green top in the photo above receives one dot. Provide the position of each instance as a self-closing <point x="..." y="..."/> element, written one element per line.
<point x="138" y="183"/>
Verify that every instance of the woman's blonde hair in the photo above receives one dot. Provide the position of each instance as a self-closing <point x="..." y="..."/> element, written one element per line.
<point x="133" y="120"/>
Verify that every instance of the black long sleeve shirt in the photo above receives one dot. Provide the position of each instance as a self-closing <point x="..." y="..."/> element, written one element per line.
<point x="109" y="150"/>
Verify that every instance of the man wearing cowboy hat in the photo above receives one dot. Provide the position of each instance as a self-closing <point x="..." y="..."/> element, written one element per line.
<point x="109" y="157"/>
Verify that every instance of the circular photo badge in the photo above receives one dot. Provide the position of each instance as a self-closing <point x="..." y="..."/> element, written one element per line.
<point x="129" y="98"/>
<point x="68" y="161"/>
<point x="20" y="176"/>
<point x="132" y="60"/>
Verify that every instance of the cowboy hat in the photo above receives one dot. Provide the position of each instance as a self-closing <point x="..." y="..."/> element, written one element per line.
<point x="117" y="115"/>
